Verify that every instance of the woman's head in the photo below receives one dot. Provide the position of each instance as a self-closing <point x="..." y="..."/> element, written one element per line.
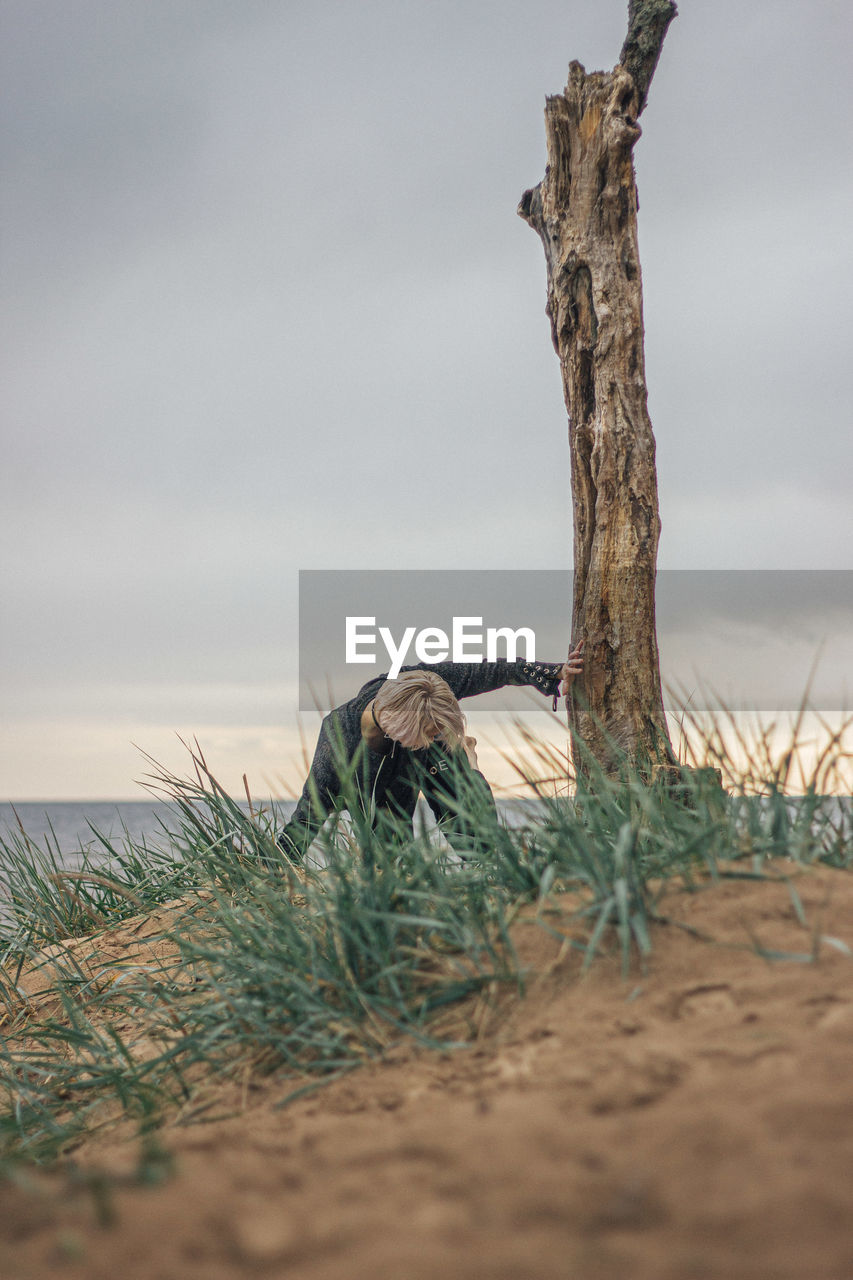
<point x="417" y="708"/>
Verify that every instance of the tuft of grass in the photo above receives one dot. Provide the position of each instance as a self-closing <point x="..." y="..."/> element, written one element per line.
<point x="47" y="893"/>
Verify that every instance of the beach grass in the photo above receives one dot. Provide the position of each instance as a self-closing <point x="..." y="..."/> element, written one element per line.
<point x="264" y="967"/>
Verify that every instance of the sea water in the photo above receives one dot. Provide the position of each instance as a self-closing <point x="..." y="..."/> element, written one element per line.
<point x="74" y="826"/>
<point x="71" y="828"/>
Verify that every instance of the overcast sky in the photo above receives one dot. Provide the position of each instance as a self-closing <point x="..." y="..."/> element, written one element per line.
<point x="268" y="307"/>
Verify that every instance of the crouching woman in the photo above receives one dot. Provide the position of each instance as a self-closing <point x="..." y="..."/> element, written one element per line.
<point x="398" y="738"/>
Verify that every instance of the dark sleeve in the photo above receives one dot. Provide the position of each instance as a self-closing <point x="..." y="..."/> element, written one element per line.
<point x="469" y="678"/>
<point x="319" y="797"/>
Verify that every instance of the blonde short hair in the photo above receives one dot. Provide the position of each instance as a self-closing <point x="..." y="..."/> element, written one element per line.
<point x="418" y="707"/>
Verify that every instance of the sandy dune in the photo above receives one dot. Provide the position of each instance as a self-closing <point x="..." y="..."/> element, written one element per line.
<point x="694" y="1122"/>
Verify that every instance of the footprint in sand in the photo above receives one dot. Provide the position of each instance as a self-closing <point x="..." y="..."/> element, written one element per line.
<point x="703" y="1002"/>
<point x="838" y="1017"/>
<point x="830" y="1012"/>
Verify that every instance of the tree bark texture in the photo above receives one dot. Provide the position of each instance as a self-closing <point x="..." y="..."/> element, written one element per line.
<point x="585" y="212"/>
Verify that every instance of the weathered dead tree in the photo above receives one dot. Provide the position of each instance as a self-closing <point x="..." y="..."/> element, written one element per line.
<point x="585" y="212"/>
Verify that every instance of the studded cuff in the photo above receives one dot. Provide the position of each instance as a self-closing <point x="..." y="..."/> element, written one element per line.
<point x="545" y="676"/>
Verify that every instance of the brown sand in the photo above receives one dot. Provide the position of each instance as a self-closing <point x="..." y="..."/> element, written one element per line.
<point x="691" y="1123"/>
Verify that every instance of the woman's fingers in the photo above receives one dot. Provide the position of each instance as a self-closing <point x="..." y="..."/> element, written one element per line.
<point x="572" y="667"/>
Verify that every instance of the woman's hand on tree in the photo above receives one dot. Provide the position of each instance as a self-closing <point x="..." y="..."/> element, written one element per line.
<point x="573" y="666"/>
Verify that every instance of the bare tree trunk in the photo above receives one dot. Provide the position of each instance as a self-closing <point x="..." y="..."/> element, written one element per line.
<point x="585" y="212"/>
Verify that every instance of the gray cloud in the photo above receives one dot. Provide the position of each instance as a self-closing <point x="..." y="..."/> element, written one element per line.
<point x="269" y="307"/>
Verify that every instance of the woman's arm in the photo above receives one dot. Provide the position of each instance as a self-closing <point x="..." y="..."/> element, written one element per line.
<point x="466" y="679"/>
<point x="319" y="798"/>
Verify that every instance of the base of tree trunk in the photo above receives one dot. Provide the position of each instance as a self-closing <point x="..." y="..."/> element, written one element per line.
<point x="686" y="783"/>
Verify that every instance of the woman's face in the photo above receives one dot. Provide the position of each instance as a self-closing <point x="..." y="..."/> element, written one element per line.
<point x="411" y="741"/>
<point x="417" y="742"/>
